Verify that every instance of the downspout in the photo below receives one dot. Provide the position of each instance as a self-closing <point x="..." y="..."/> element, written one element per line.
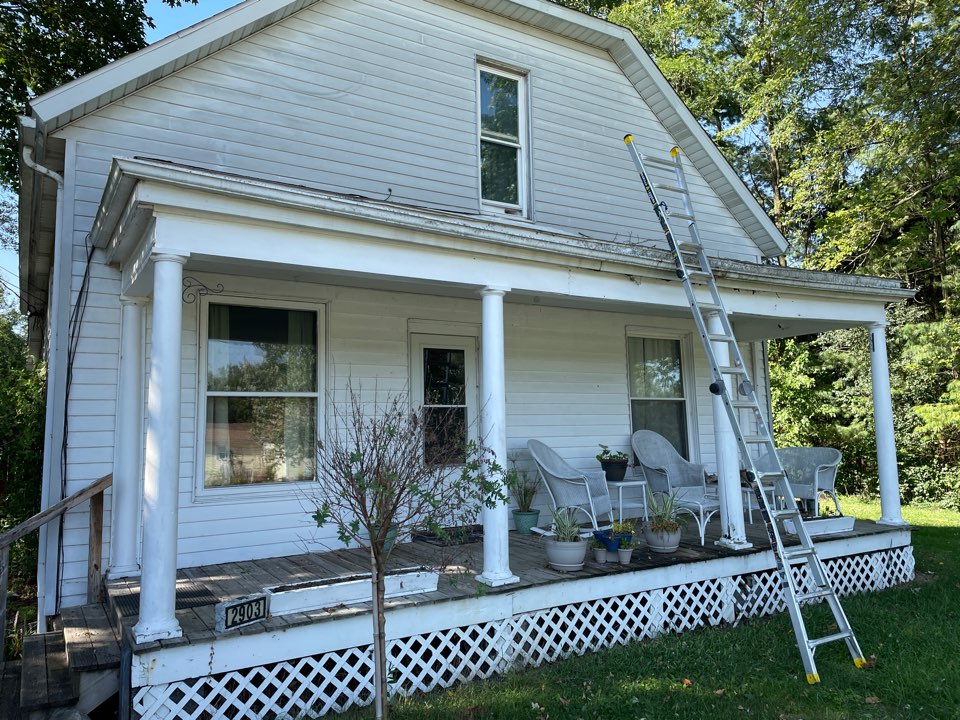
<point x="49" y="495"/>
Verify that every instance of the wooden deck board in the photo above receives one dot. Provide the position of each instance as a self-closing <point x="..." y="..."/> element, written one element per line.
<point x="527" y="560"/>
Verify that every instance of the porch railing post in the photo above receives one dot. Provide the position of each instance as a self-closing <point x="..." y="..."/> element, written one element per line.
<point x="95" y="549"/>
<point x="890" y="513"/>
<point x="493" y="427"/>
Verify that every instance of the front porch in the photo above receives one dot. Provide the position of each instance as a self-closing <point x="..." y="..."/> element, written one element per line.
<point x="319" y="661"/>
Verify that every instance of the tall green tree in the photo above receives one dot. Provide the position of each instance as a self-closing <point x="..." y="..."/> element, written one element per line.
<point x="760" y="76"/>
<point x="46" y="43"/>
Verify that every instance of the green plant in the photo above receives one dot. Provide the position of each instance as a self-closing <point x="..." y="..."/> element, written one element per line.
<point x="663" y="512"/>
<point x="606" y="455"/>
<point x="521" y="487"/>
<point x="625" y="527"/>
<point x="565" y="526"/>
<point x="627" y="543"/>
<point x="596" y="544"/>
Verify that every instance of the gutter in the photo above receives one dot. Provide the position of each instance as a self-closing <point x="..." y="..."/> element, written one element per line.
<point x="49" y="494"/>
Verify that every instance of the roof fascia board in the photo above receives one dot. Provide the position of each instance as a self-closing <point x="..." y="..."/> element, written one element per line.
<point x="61" y="105"/>
<point x="140" y="186"/>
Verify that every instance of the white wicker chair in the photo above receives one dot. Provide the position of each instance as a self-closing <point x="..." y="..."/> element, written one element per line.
<point x="666" y="471"/>
<point x="812" y="470"/>
<point x="569" y="487"/>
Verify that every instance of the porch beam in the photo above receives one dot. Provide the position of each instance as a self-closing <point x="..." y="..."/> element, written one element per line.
<point x="733" y="532"/>
<point x="158" y="583"/>
<point x="890" y="513"/>
<point x="493" y="429"/>
<point x="128" y="453"/>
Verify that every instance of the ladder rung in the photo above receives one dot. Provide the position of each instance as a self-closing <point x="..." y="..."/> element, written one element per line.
<point x="792" y="514"/>
<point x="797" y="553"/>
<point x="682" y="216"/>
<point x="764" y="475"/>
<point x="756" y="439"/>
<point x="734" y="370"/>
<point x="689" y="246"/>
<point x="813" y="595"/>
<point x="658" y="161"/>
<point x="721" y="338"/>
<point x="745" y="405"/>
<point x="700" y="273"/>
<point x="817" y="642"/>
<point x="670" y="188"/>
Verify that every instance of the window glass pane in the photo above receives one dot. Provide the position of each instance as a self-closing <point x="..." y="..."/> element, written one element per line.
<point x="499" y="173"/>
<point x="253" y="349"/>
<point x="499" y="109"/>
<point x="444" y="377"/>
<point x="666" y="417"/>
<point x="654" y="368"/>
<point x="445" y="435"/>
<point x="259" y="440"/>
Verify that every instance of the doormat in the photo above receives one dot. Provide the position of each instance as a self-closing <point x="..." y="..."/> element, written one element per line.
<point x="189" y="595"/>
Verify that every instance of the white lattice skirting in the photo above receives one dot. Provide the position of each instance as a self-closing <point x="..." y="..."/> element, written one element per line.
<point x="334" y="681"/>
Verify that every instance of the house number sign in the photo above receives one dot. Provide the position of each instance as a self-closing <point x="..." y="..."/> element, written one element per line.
<point x="232" y="614"/>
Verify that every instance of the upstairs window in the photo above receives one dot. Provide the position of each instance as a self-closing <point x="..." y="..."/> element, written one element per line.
<point x="502" y="140"/>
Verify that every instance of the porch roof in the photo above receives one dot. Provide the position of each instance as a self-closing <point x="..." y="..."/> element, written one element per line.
<point x="141" y="190"/>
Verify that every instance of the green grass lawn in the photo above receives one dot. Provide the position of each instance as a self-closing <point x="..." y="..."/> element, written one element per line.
<point x="754" y="671"/>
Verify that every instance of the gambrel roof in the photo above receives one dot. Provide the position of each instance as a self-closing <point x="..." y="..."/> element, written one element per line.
<point x="76" y="99"/>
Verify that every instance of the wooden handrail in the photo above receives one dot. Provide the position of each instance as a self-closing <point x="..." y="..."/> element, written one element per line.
<point x="93" y="493"/>
<point x="54" y="511"/>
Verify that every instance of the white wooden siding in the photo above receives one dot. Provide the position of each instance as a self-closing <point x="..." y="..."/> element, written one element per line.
<point x="385" y="110"/>
<point x="377" y="98"/>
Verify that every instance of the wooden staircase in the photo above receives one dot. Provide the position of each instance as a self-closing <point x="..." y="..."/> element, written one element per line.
<point x="69" y="672"/>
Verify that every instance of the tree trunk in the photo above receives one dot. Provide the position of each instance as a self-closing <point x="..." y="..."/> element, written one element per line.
<point x="379" y="638"/>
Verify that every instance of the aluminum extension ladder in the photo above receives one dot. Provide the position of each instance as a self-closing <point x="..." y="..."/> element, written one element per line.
<point x="693" y="268"/>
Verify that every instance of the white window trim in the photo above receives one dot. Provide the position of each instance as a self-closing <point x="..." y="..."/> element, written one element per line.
<point x="522" y="210"/>
<point x="467" y="343"/>
<point x="687" y="369"/>
<point x="263" y="491"/>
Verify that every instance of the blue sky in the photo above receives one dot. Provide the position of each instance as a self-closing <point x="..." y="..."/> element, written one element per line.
<point x="168" y="21"/>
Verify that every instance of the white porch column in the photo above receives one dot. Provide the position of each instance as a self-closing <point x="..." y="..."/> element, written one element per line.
<point x="493" y="429"/>
<point x="128" y="456"/>
<point x="733" y="529"/>
<point x="883" y="423"/>
<point x="158" y="582"/>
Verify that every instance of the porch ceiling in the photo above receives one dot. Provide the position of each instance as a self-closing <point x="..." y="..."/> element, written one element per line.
<point x="248" y="226"/>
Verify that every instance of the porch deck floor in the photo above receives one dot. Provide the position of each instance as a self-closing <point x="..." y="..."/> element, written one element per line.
<point x="200" y="588"/>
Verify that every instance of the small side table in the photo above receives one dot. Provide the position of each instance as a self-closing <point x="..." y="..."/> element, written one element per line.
<point x="633" y="482"/>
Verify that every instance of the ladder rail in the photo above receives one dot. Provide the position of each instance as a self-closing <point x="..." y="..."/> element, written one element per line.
<point x="693" y="253"/>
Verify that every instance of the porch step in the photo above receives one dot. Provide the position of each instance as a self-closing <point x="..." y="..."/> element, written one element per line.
<point x="10" y="690"/>
<point x="90" y="638"/>
<point x="46" y="680"/>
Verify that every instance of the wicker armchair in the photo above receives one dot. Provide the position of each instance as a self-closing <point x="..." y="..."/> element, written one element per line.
<point x="666" y="471"/>
<point x="811" y="470"/>
<point x="569" y="487"/>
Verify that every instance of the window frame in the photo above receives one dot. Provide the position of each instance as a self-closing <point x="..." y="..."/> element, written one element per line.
<point x="257" y="491"/>
<point x="419" y="341"/>
<point x="687" y="381"/>
<point x="522" y="208"/>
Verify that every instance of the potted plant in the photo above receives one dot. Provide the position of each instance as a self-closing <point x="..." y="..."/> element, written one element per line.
<point x="566" y="549"/>
<point x="614" y="463"/>
<point x="524" y="490"/>
<point x="610" y="538"/>
<point x="662" y="530"/>
<point x="599" y="550"/>
<point x="625" y="551"/>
